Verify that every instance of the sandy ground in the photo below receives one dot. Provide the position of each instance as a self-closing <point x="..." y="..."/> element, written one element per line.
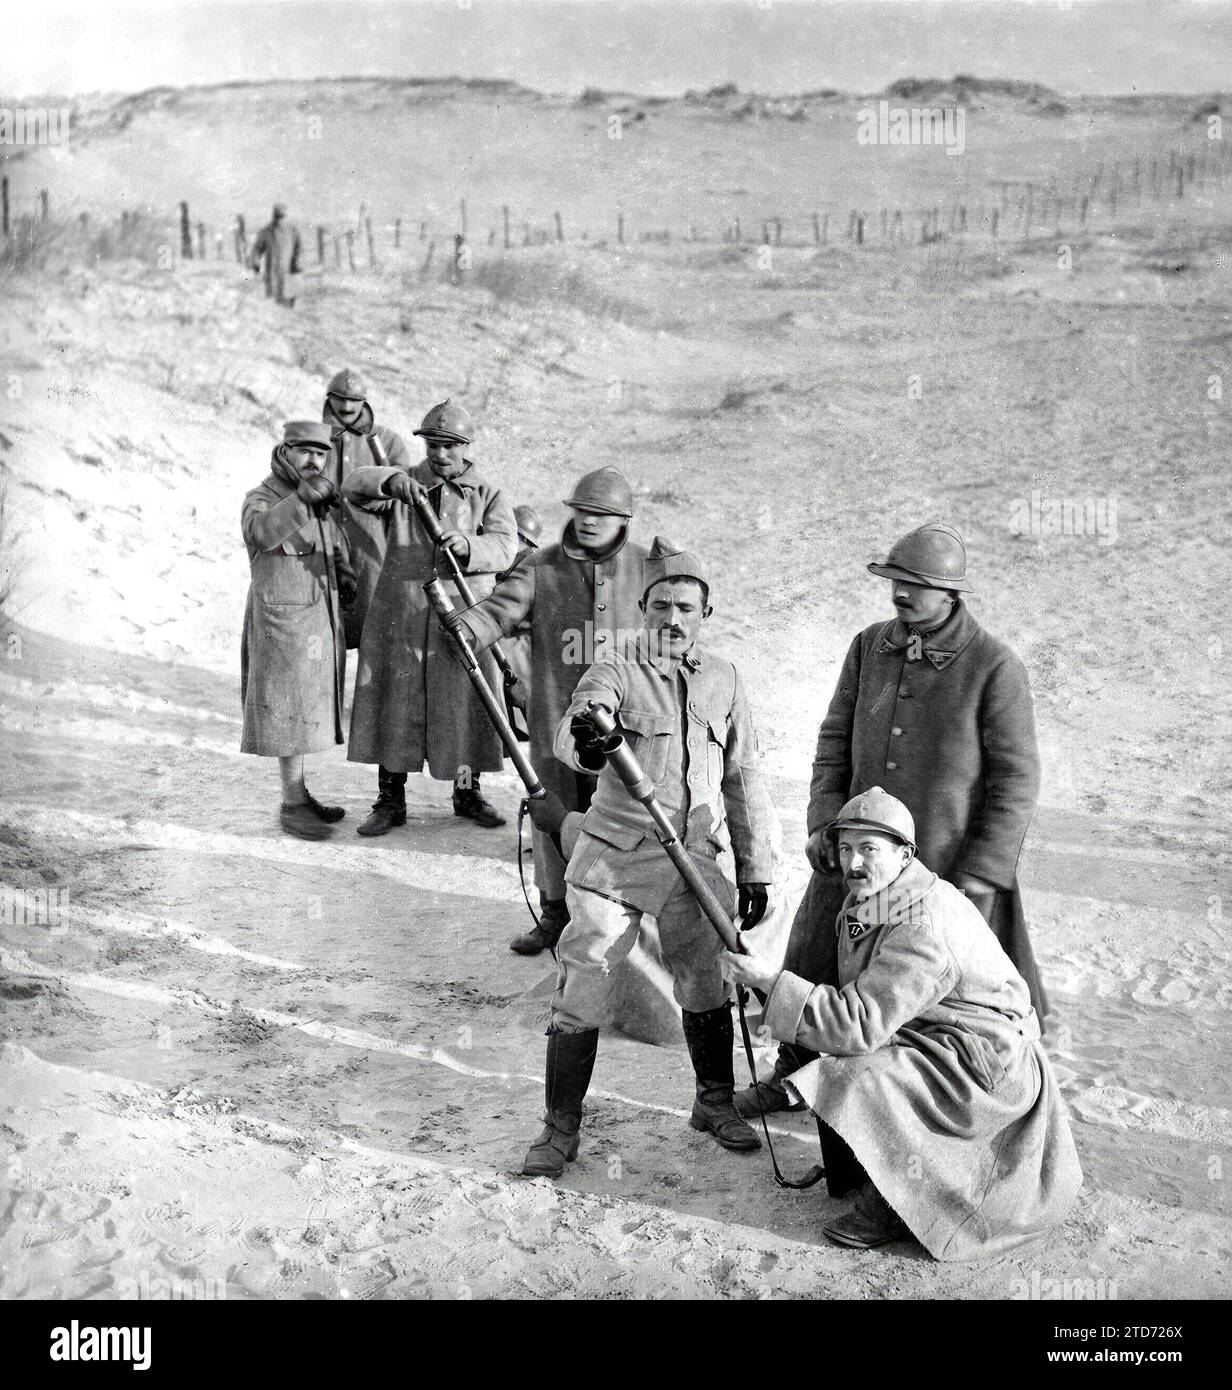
<point x="313" y="1070"/>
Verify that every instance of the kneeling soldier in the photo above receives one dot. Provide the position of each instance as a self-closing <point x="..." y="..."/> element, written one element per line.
<point x="685" y="714"/>
<point x="293" y="654"/>
<point x="927" y="1060"/>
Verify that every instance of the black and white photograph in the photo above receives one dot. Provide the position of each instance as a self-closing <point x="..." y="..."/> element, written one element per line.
<point x="614" y="661"/>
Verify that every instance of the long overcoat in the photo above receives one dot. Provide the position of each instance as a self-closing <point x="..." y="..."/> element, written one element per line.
<point x="931" y="1070"/>
<point x="278" y="246"/>
<point x="414" y="703"/>
<point x="365" y="531"/>
<point x="945" y="723"/>
<point x="292" y="654"/>
<point x="577" y="608"/>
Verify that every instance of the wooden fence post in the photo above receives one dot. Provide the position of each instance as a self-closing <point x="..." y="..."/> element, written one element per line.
<point x="860" y="230"/>
<point x="4" y="205"/>
<point x="320" y="245"/>
<point x="201" y="241"/>
<point x="620" y="227"/>
<point x="397" y="232"/>
<point x="423" y="269"/>
<point x="996" y="215"/>
<point x="371" y="243"/>
<point x="185" y="234"/>
<point x="505" y="219"/>
<point x="337" y="251"/>
<point x="44" y="212"/>
<point x="241" y="239"/>
<point x="350" y="241"/>
<point x="560" y="227"/>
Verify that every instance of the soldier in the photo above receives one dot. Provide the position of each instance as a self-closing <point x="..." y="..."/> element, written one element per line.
<point x="927" y="1062"/>
<point x="292" y="658"/>
<point x="278" y="244"/>
<point x="576" y="596"/>
<point x="350" y="418"/>
<point x="413" y="701"/>
<point x="939" y="712"/>
<point x="685" y="714"/>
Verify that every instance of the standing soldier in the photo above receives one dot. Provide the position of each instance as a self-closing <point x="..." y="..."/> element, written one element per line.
<point x="278" y="244"/>
<point x="413" y="701"/>
<point x="293" y="658"/>
<point x="577" y="596"/>
<point x="686" y="717"/>
<point x="938" y="712"/>
<point x="353" y="425"/>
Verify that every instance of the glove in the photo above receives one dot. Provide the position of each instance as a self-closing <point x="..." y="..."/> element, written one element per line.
<point x="588" y="742"/>
<point x="752" y="902"/>
<point x="401" y="487"/>
<point x="820" y="853"/>
<point x="318" y="492"/>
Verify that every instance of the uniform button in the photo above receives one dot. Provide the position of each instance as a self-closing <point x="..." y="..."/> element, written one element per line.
<point x="891" y="766"/>
<point x="904" y="694"/>
<point x="599" y="582"/>
<point x="896" y="731"/>
<point x="601" y="607"/>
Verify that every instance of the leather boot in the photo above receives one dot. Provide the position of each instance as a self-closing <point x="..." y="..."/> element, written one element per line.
<point x="298" y="820"/>
<point x="871" y="1222"/>
<point x="471" y="803"/>
<point x="570" y="1061"/>
<point x="328" y="814"/>
<point x="772" y="1092"/>
<point x="710" y="1036"/>
<point x="389" y="808"/>
<point x="553" y="919"/>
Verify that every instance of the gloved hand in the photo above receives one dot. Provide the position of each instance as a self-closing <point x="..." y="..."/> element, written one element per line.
<point x="821" y="854"/>
<point x="401" y="487"/>
<point x="752" y="902"/>
<point x="318" y="492"/>
<point x="588" y="742"/>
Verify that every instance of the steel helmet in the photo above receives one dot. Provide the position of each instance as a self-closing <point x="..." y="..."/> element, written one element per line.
<point x="933" y="555"/>
<point x="449" y="422"/>
<point x="528" y="522"/>
<point x="606" y="491"/>
<point x="348" y="385"/>
<point x="877" y="810"/>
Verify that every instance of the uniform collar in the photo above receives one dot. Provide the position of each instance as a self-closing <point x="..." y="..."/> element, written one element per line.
<point x="465" y="482"/>
<point x="570" y="547"/>
<point x="363" y="426"/>
<point x="897" y="903"/>
<point x="940" y="646"/>
<point x="692" y="660"/>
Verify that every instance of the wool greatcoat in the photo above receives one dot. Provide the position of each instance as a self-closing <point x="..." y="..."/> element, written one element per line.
<point x="577" y="608"/>
<point x="931" y="1069"/>
<point x="292" y="656"/>
<point x="945" y="723"/>
<point x="365" y="531"/>
<point x="277" y="253"/>
<point x="414" y="703"/>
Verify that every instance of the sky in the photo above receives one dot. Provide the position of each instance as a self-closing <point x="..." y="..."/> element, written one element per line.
<point x="655" y="47"/>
